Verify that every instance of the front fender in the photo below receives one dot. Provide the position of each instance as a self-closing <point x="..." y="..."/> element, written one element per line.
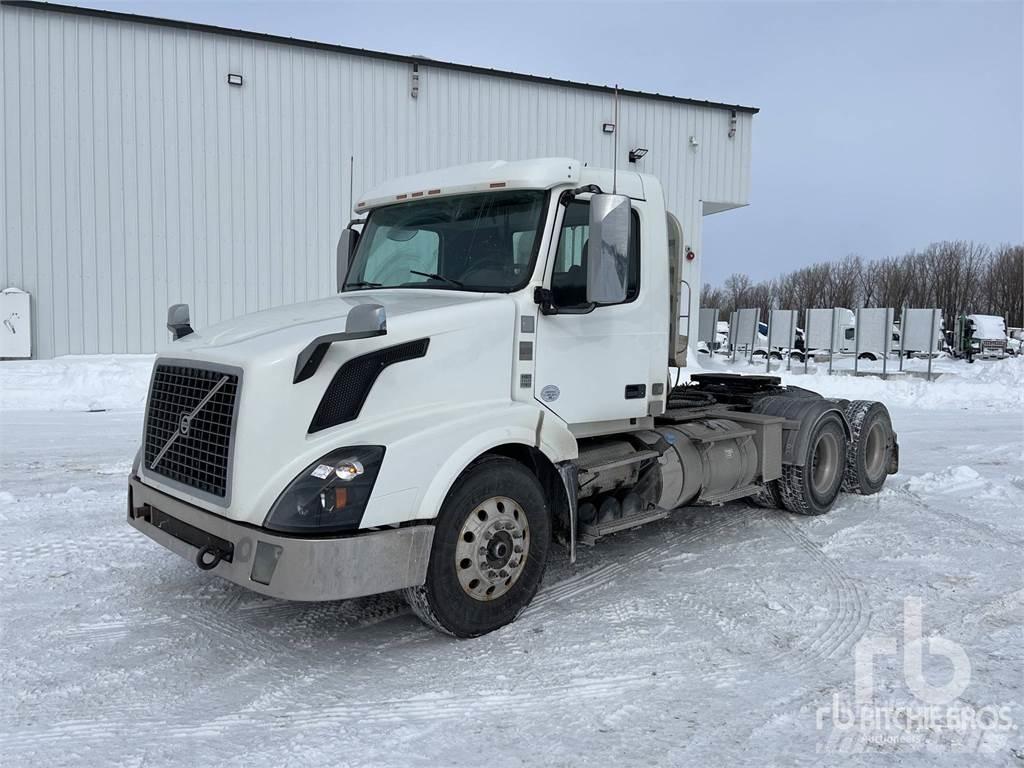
<point x="421" y="465"/>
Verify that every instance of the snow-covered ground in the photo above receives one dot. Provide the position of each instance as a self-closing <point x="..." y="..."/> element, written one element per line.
<point x="719" y="636"/>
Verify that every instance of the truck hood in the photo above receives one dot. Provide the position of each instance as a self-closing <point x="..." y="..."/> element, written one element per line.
<point x="307" y="317"/>
<point x="467" y="362"/>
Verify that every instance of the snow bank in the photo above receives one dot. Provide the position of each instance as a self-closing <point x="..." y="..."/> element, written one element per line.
<point x="998" y="386"/>
<point x="75" y="383"/>
<point x="984" y="386"/>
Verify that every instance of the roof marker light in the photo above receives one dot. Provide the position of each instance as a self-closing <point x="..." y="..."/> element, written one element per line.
<point x="433" y="191"/>
<point x="401" y="197"/>
<point x="497" y="184"/>
<point x="417" y="194"/>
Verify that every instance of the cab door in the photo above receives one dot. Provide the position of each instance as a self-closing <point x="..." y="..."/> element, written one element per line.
<point x="593" y="363"/>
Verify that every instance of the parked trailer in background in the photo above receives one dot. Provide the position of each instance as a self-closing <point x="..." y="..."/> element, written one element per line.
<point x="720" y="343"/>
<point x="826" y="332"/>
<point x="873" y="335"/>
<point x="457" y="407"/>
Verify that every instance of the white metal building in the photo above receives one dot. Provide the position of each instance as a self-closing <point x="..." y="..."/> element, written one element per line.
<point x="136" y="172"/>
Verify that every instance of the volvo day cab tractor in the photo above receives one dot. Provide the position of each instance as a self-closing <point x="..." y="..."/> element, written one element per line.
<point x="493" y="376"/>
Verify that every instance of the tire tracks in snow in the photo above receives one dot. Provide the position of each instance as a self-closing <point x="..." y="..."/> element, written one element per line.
<point x="96" y="546"/>
<point x="980" y="526"/>
<point x="242" y="627"/>
<point x="673" y="536"/>
<point x="427" y="708"/>
<point x="848" y="616"/>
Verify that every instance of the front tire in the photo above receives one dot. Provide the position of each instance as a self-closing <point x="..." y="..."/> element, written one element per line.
<point x="811" y="489"/>
<point x="490" y="548"/>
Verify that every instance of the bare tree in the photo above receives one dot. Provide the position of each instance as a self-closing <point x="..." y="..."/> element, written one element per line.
<point x="843" y="281"/>
<point x="711" y="297"/>
<point x="1004" y="284"/>
<point x="955" y="275"/>
<point x="737" y="290"/>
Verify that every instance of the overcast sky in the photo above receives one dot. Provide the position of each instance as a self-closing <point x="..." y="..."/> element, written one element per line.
<point x="884" y="125"/>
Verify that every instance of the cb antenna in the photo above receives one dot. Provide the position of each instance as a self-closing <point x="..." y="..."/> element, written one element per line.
<point x="615" y="142"/>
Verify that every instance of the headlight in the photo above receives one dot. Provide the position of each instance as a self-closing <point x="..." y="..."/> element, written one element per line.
<point x="329" y="495"/>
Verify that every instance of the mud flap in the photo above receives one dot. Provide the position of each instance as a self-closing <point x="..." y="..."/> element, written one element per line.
<point x="894" y="457"/>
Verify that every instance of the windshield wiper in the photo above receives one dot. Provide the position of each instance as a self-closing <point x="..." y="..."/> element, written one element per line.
<point x="363" y="284"/>
<point x="435" y="276"/>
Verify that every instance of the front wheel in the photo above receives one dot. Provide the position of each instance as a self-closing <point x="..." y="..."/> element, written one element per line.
<point x="490" y="548"/>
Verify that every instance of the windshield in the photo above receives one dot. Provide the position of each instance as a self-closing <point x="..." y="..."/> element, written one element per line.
<point x="476" y="242"/>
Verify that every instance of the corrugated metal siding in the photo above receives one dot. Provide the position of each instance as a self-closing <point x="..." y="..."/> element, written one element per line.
<point x="135" y="177"/>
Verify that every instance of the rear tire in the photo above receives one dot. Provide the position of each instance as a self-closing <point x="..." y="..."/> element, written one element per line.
<point x="811" y="489"/>
<point x="871" y="447"/>
<point x="496" y="504"/>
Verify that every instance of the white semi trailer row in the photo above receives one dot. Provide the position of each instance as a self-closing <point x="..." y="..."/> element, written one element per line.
<point x="492" y="376"/>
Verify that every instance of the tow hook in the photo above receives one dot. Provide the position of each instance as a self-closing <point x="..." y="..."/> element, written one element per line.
<point x="217" y="553"/>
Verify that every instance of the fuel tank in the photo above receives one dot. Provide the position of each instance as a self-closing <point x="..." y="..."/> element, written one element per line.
<point x="706" y="459"/>
<point x="672" y="466"/>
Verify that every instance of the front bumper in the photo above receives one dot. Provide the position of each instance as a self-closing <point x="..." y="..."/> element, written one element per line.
<point x="291" y="568"/>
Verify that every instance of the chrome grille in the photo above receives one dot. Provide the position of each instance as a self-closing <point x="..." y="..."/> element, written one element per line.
<point x="189" y="424"/>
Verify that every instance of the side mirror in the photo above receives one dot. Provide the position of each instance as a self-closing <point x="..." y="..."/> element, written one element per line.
<point x="368" y="319"/>
<point x="178" y="322"/>
<point x="346" y="250"/>
<point x="608" y="249"/>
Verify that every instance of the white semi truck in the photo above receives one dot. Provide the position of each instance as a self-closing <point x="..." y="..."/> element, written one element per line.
<point x="493" y="375"/>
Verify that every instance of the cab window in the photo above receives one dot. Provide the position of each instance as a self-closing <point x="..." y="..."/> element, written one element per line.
<point x="399" y="252"/>
<point x="483" y="242"/>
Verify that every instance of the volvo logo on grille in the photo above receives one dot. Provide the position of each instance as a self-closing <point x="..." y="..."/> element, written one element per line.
<point x="185" y="420"/>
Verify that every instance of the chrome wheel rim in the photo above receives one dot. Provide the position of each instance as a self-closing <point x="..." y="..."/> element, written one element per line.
<point x="825" y="464"/>
<point x="492" y="548"/>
